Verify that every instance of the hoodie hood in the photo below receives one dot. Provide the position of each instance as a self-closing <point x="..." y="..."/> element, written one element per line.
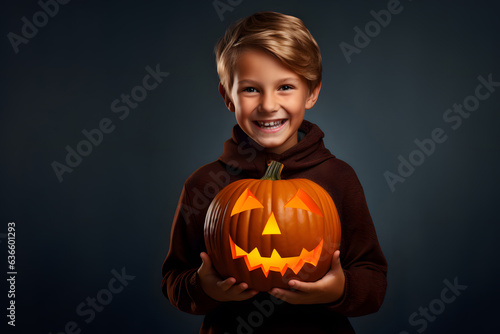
<point x="242" y="153"/>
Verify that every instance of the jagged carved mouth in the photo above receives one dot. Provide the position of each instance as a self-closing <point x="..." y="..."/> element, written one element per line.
<point x="275" y="262"/>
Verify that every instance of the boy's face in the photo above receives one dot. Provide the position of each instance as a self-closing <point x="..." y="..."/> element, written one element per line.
<point x="269" y="100"/>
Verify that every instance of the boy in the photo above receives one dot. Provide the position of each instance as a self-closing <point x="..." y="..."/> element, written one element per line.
<point x="269" y="67"/>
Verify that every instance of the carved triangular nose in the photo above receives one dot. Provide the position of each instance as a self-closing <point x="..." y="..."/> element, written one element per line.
<point x="271" y="226"/>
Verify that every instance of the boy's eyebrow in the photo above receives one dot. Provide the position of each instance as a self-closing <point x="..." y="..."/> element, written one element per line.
<point x="249" y="81"/>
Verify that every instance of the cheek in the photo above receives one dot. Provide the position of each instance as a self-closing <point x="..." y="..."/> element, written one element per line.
<point x="245" y="106"/>
<point x="295" y="106"/>
<point x="248" y="104"/>
<point x="243" y="119"/>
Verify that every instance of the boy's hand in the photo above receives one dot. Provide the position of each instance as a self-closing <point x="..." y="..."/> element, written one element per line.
<point x="328" y="289"/>
<point x="218" y="289"/>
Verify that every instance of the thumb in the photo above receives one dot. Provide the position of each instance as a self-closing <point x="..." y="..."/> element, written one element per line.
<point x="206" y="264"/>
<point x="336" y="266"/>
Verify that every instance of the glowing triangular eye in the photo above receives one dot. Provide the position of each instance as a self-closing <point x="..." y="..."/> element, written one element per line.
<point x="246" y="201"/>
<point x="302" y="200"/>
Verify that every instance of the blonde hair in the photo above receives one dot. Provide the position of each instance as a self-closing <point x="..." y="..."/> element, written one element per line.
<point x="284" y="36"/>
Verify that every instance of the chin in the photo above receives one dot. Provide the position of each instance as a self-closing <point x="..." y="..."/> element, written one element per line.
<point x="271" y="145"/>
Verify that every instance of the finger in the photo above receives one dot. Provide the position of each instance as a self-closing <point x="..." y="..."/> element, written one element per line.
<point x="336" y="266"/>
<point x="247" y="294"/>
<point x="203" y="267"/>
<point x="336" y="256"/>
<point x="302" y="286"/>
<point x="286" y="295"/>
<point x="237" y="289"/>
<point x="206" y="264"/>
<point x="241" y="292"/>
<point x="226" y="284"/>
<point x="240" y="289"/>
<point x="242" y="286"/>
<point x="339" y="264"/>
<point x="206" y="259"/>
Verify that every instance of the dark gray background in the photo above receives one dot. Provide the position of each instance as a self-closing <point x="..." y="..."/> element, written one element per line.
<point x="115" y="209"/>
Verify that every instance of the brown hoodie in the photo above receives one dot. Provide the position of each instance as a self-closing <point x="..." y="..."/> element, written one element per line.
<point x="361" y="257"/>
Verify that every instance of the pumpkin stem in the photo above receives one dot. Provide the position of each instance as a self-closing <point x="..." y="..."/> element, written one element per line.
<point x="273" y="171"/>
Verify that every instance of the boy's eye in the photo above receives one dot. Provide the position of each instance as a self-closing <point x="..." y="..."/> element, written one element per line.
<point x="250" y="90"/>
<point x="286" y="87"/>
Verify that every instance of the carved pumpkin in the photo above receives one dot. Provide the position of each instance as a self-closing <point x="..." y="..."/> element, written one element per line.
<point x="268" y="231"/>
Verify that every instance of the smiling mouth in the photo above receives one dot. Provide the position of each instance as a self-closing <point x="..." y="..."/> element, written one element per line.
<point x="275" y="262"/>
<point x="270" y="125"/>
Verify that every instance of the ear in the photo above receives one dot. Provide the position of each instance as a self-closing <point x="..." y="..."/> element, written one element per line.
<point x="313" y="97"/>
<point x="226" y="98"/>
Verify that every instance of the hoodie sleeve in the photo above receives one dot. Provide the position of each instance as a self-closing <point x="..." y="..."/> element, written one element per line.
<point x="364" y="264"/>
<point x="181" y="283"/>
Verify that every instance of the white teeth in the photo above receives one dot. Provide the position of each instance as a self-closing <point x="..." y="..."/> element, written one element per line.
<point x="271" y="125"/>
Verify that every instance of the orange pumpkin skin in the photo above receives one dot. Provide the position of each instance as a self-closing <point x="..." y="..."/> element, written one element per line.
<point x="266" y="232"/>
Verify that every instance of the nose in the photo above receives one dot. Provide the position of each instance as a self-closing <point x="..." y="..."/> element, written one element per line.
<point x="268" y="103"/>
<point x="271" y="226"/>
